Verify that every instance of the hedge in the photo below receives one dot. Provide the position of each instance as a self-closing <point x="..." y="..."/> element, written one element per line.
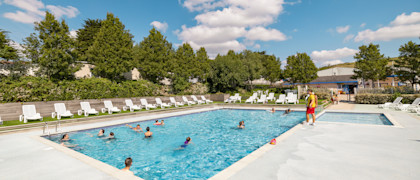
<point x="28" y="89"/>
<point x="383" y="98"/>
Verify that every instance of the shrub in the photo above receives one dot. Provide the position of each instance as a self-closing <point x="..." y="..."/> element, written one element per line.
<point x="28" y="89"/>
<point x="197" y="88"/>
<point x="383" y="98"/>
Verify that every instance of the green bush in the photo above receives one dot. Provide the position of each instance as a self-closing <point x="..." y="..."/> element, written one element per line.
<point x="383" y="98"/>
<point x="197" y="88"/>
<point x="28" y="89"/>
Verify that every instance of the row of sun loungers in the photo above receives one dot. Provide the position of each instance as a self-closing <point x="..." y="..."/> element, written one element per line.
<point x="397" y="105"/>
<point x="29" y="111"/>
<point x="290" y="98"/>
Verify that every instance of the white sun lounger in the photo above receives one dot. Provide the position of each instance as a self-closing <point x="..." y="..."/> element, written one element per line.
<point x="281" y="99"/>
<point x="263" y="99"/>
<point x="110" y="108"/>
<point x="197" y="100"/>
<point x="206" y="100"/>
<point x="86" y="109"/>
<point x="129" y="105"/>
<point x="387" y="105"/>
<point x="161" y="104"/>
<point x="271" y="97"/>
<point x="29" y="113"/>
<point x="147" y="105"/>
<point x="175" y="103"/>
<point x="252" y="99"/>
<point x="60" y="111"/>
<point x="407" y="107"/>
<point x="186" y="101"/>
<point x="293" y="99"/>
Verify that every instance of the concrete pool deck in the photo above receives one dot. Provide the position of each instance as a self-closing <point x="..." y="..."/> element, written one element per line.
<point x="344" y="151"/>
<point x="326" y="151"/>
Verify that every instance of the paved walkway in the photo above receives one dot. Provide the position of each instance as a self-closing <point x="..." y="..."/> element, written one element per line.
<point x="344" y="151"/>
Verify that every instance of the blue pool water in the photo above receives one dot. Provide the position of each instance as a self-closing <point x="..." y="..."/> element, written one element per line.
<point x="217" y="143"/>
<point x="359" y="118"/>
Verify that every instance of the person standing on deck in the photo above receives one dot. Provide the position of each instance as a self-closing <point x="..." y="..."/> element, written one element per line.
<point x="310" y="107"/>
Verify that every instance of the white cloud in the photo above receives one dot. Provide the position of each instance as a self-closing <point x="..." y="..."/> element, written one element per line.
<point x="160" y="26"/>
<point x="257" y="46"/>
<point x="348" y="37"/>
<point x="59" y="11"/>
<point x="362" y="25"/>
<point x="231" y="24"/>
<point x="263" y="34"/>
<point x="413" y="18"/>
<point x="23" y="17"/>
<point x="332" y="55"/>
<point x="342" y="29"/>
<point x="34" y="10"/>
<point x="73" y="33"/>
<point x="404" y="26"/>
<point x="332" y="62"/>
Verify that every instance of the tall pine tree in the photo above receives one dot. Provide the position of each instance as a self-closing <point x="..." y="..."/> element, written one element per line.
<point x="154" y="55"/>
<point x="112" y="50"/>
<point x="56" y="57"/>
<point x="86" y="37"/>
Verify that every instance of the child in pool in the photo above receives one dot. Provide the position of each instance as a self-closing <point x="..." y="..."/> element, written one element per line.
<point x="148" y="134"/>
<point x="287" y="111"/>
<point x="101" y="133"/>
<point x="157" y="123"/>
<point x="137" y="128"/>
<point x="241" y="125"/>
<point x="273" y="110"/>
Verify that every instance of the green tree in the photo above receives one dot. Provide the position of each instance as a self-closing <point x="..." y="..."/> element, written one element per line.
<point x="227" y="73"/>
<point x="204" y="63"/>
<point x="7" y="52"/>
<point x="370" y="63"/>
<point x="112" y="50"/>
<point x="86" y="37"/>
<point x="153" y="56"/>
<point x="272" y="71"/>
<point x="300" y="69"/>
<point x="184" y="67"/>
<point x="56" y="60"/>
<point x="253" y="65"/>
<point x="32" y="48"/>
<point x="408" y="63"/>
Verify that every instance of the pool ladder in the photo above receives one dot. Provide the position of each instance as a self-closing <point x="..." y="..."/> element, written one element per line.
<point x="46" y="129"/>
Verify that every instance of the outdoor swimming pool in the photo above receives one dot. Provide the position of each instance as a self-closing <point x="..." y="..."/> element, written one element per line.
<point x="217" y="143"/>
<point x="358" y="118"/>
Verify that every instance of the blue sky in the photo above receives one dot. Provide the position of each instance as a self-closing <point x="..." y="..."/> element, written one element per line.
<point x="330" y="31"/>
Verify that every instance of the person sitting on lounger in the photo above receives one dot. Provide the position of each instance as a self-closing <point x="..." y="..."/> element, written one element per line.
<point x="128" y="163"/>
<point x="157" y="123"/>
<point x="148" y="134"/>
<point x="241" y="125"/>
<point x="101" y="133"/>
<point x="137" y="128"/>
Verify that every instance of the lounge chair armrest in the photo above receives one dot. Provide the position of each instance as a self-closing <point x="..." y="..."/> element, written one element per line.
<point x="79" y="112"/>
<point x="126" y="107"/>
<point x="53" y="114"/>
<point x="103" y="110"/>
<point x="39" y="115"/>
<point x="21" y="117"/>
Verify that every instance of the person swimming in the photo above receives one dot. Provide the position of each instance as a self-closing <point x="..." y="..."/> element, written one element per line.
<point x="161" y="122"/>
<point x="187" y="141"/>
<point x="65" y="137"/>
<point x="137" y="128"/>
<point x="128" y="163"/>
<point x="111" y="136"/>
<point x="241" y="125"/>
<point x="287" y="111"/>
<point x="101" y="133"/>
<point x="157" y="123"/>
<point x="148" y="134"/>
<point x="273" y="110"/>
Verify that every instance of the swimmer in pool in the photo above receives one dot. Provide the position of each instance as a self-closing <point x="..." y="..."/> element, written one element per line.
<point x="287" y="111"/>
<point x="128" y="163"/>
<point x="161" y="122"/>
<point x="157" y="123"/>
<point x="148" y="134"/>
<point x="273" y="110"/>
<point x="111" y="136"/>
<point x="137" y="128"/>
<point x="101" y="133"/>
<point x="241" y="125"/>
<point x="65" y="137"/>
